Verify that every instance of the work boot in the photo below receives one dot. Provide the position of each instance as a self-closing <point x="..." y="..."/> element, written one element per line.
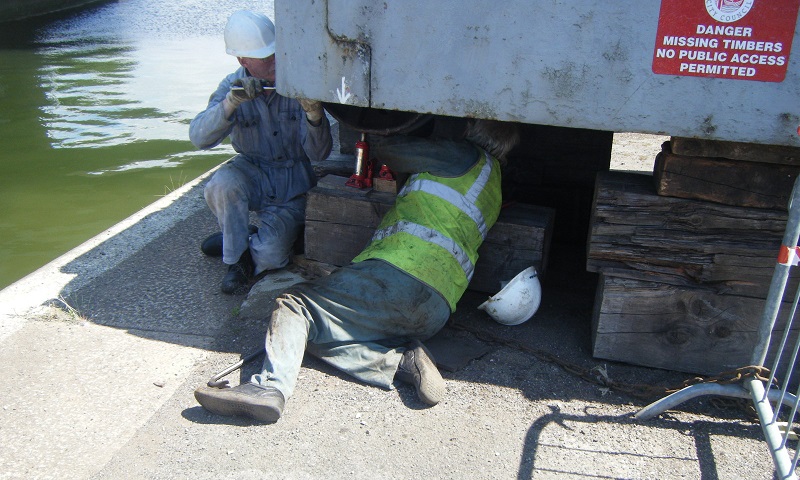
<point x="418" y="368"/>
<point x="264" y="404"/>
<point x="237" y="280"/>
<point x="212" y="245"/>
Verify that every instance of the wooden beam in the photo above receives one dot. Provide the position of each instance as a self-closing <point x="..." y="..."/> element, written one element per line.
<point x="637" y="234"/>
<point x="691" y="330"/>
<point x="730" y="182"/>
<point x="750" y="152"/>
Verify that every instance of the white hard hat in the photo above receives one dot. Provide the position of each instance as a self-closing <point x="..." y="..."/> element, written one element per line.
<point x="249" y="34"/>
<point x="517" y="301"/>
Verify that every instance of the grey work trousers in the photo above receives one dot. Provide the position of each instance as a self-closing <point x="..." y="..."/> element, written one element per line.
<point x="357" y="319"/>
<point x="234" y="190"/>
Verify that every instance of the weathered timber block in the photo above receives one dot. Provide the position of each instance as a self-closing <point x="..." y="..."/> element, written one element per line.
<point x="750" y="152"/>
<point x="731" y="182"/>
<point x="637" y="234"/>
<point x="683" y="329"/>
<point x="383" y="185"/>
<point x="340" y="222"/>
<point x="391" y="186"/>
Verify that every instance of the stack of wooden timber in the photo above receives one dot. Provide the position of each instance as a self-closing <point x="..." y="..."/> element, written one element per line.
<point x="340" y="221"/>
<point x="686" y="256"/>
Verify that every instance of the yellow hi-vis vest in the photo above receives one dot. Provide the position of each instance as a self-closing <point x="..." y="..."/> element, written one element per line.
<point x="436" y="226"/>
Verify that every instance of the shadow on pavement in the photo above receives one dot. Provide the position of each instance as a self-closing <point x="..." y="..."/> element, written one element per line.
<point x="701" y="432"/>
<point x="169" y="291"/>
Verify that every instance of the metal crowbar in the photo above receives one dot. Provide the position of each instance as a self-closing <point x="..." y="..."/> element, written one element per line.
<point x="216" y="381"/>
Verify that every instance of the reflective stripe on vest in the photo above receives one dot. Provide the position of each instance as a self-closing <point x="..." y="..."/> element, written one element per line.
<point x="466" y="203"/>
<point x="432" y="236"/>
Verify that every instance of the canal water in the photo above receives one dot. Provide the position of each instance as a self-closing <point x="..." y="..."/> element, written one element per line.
<point x="95" y="108"/>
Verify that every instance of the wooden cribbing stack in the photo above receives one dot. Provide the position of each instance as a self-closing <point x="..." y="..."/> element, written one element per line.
<point x="685" y="256"/>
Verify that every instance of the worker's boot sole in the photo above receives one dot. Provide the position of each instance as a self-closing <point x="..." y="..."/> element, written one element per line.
<point x="419" y="369"/>
<point x="264" y="404"/>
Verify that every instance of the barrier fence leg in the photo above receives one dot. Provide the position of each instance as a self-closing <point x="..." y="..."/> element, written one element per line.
<point x="763" y="397"/>
<point x="784" y="466"/>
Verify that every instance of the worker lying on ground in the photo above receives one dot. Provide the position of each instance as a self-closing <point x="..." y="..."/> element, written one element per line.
<point x="367" y="318"/>
<point x="275" y="138"/>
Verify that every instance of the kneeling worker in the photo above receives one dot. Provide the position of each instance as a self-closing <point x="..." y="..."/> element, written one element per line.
<point x="275" y="138"/>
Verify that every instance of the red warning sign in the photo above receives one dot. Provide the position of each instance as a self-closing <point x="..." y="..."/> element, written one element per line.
<point x="736" y="39"/>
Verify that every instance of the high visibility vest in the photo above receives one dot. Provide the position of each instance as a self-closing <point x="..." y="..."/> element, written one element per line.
<point x="436" y="226"/>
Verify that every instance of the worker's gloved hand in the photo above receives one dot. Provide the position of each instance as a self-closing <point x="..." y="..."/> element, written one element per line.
<point x="244" y="89"/>
<point x="313" y="109"/>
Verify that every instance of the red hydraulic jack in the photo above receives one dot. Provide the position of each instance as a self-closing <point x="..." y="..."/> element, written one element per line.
<point x="362" y="176"/>
<point x="386" y="173"/>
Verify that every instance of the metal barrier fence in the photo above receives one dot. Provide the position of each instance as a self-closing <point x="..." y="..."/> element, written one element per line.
<point x="775" y="405"/>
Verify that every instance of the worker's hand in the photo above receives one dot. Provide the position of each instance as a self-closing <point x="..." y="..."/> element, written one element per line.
<point x="244" y="89"/>
<point x="313" y="109"/>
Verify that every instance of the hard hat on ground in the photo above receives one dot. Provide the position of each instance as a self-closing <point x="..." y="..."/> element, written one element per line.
<point x="249" y="34"/>
<point x="517" y="301"/>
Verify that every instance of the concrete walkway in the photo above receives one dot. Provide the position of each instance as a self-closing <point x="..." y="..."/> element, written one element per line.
<point x="102" y="349"/>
